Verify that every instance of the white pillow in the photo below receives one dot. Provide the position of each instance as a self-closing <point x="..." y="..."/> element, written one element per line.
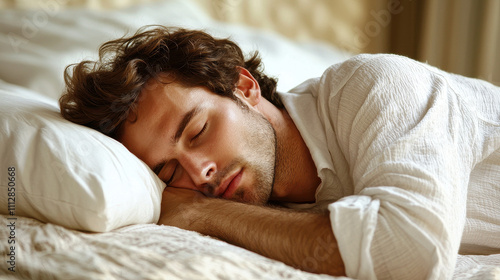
<point x="68" y="174"/>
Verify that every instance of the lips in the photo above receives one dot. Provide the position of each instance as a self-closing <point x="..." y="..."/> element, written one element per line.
<point x="229" y="186"/>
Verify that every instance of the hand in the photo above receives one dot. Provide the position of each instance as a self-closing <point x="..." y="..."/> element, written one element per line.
<point x="179" y="207"/>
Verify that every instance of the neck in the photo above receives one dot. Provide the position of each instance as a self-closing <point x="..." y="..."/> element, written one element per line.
<point x="296" y="178"/>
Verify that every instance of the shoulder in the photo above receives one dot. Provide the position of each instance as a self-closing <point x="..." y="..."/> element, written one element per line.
<point x="368" y="86"/>
<point x="363" y="72"/>
<point x="384" y="75"/>
<point x="377" y="67"/>
<point x="364" y="68"/>
<point x="370" y="79"/>
<point x="382" y="61"/>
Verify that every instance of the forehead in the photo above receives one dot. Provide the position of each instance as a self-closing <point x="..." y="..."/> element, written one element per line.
<point x="159" y="108"/>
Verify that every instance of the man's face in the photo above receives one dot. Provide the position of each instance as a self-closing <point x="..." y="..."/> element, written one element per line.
<point x="195" y="139"/>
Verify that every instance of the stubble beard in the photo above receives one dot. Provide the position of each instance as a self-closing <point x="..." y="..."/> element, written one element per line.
<point x="260" y="160"/>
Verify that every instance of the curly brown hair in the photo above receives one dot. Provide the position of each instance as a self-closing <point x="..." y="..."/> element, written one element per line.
<point x="101" y="94"/>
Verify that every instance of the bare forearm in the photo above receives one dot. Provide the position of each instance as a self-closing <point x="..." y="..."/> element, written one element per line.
<point x="302" y="240"/>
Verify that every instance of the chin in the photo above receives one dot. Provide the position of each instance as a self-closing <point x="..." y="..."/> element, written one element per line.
<point x="252" y="198"/>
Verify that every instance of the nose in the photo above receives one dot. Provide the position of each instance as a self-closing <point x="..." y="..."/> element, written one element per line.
<point x="200" y="169"/>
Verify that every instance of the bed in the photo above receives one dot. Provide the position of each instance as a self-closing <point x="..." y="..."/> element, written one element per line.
<point x="76" y="204"/>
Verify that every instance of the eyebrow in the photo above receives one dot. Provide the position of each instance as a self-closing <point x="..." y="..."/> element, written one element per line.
<point x="184" y="122"/>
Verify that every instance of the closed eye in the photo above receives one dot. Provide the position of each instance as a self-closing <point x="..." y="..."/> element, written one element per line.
<point x="200" y="133"/>
<point x="169" y="181"/>
<point x="157" y="169"/>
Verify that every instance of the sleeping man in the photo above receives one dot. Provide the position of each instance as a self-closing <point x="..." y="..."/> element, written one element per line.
<point x="388" y="168"/>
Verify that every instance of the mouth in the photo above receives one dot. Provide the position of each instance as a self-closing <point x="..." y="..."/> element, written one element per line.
<point x="230" y="185"/>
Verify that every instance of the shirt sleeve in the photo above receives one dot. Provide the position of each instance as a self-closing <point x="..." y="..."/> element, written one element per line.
<point x="407" y="140"/>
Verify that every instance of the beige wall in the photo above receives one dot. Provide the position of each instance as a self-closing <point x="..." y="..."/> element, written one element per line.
<point x="339" y="22"/>
<point x="93" y="4"/>
<point x="331" y="21"/>
<point x="460" y="36"/>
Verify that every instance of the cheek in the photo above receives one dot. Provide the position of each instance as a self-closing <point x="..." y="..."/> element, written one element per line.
<point x="231" y="129"/>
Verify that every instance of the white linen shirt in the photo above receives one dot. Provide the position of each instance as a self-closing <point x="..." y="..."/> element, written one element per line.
<point x="409" y="161"/>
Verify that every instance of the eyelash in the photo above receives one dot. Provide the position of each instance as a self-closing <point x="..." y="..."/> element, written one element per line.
<point x="200" y="133"/>
<point x="172" y="177"/>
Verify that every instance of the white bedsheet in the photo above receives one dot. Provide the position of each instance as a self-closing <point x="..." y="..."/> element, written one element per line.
<point x="477" y="267"/>
<point x="47" y="251"/>
<point x="148" y="251"/>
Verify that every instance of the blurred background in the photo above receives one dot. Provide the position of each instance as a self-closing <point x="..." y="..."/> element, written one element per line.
<point x="459" y="36"/>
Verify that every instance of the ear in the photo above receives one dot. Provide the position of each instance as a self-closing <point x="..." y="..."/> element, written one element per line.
<point x="248" y="88"/>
